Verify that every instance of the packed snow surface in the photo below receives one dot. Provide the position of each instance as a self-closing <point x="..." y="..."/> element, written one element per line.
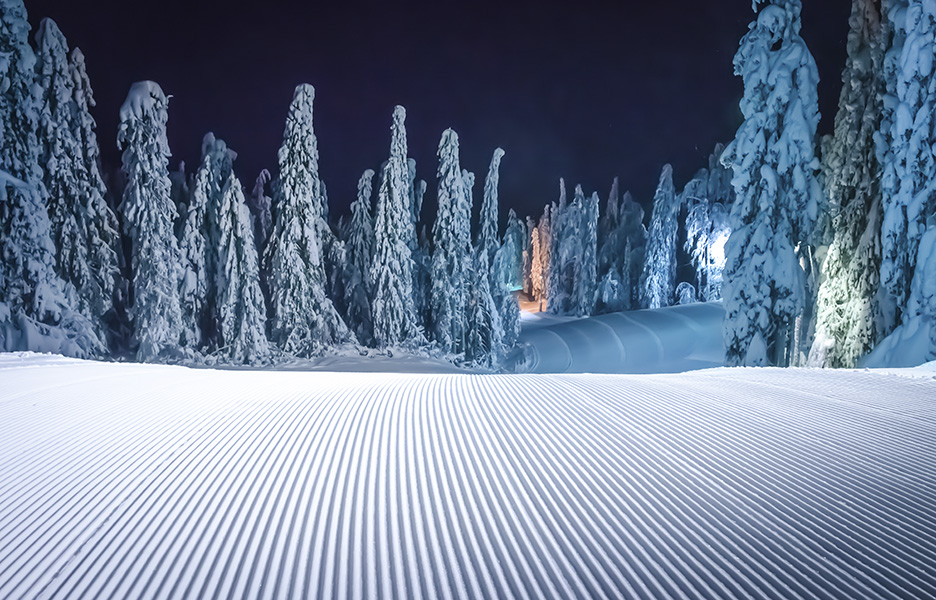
<point x="134" y="481"/>
<point x="670" y="340"/>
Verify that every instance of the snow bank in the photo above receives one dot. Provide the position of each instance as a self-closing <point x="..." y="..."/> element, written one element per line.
<point x="141" y="481"/>
<point x="667" y="340"/>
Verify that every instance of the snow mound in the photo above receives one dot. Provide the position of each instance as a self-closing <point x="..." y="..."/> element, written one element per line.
<point x="141" y="481"/>
<point x="666" y="340"/>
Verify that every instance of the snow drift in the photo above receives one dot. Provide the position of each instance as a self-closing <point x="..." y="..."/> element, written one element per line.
<point x="132" y="481"/>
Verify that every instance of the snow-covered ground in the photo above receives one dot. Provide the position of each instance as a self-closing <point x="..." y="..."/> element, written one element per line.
<point x="134" y="481"/>
<point x="666" y="340"/>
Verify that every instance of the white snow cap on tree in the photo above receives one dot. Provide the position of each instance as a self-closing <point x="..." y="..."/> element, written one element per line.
<point x="305" y="321"/>
<point x="149" y="215"/>
<point x="778" y="194"/>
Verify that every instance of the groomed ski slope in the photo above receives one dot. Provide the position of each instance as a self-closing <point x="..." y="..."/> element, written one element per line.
<point x="132" y="481"/>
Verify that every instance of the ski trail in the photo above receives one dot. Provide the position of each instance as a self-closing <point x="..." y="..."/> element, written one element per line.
<point x="127" y="481"/>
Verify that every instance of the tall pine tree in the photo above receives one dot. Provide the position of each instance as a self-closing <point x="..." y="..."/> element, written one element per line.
<point x="84" y="229"/>
<point x="659" y="275"/>
<point x="452" y="237"/>
<point x="395" y="318"/>
<point x="304" y="320"/>
<point x="37" y="310"/>
<point x="778" y="194"/>
<point x="148" y="220"/>
<point x="851" y="317"/>
<point x="360" y="258"/>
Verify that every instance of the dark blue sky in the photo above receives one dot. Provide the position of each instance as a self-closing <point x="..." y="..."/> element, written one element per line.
<point x="584" y="90"/>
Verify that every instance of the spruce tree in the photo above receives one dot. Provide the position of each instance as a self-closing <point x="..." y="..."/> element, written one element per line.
<point x="198" y="241"/>
<point x="585" y="284"/>
<point x="484" y="343"/>
<point x="452" y="238"/>
<point x="304" y="320"/>
<point x="507" y="279"/>
<point x="238" y="303"/>
<point x="659" y="274"/>
<point x="851" y="318"/>
<point x="488" y="237"/>
<point x="909" y="181"/>
<point x="360" y="241"/>
<point x="84" y="229"/>
<point x="778" y="195"/>
<point x="556" y="291"/>
<point x="37" y="310"/>
<point x="148" y="220"/>
<point x="261" y="208"/>
<point x="395" y="319"/>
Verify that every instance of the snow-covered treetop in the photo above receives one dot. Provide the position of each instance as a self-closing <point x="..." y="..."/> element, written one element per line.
<point x="145" y="99"/>
<point x="789" y="7"/>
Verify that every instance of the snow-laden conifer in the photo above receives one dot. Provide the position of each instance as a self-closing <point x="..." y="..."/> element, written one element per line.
<point x="451" y="234"/>
<point x="707" y="228"/>
<point x="261" y="208"/>
<point x="360" y="244"/>
<point x="488" y="237"/>
<point x="778" y="195"/>
<point x="851" y="318"/>
<point x="393" y="308"/>
<point x="148" y="221"/>
<point x="484" y="343"/>
<point x="659" y="273"/>
<point x="909" y="180"/>
<point x="36" y="306"/>
<point x="559" y="222"/>
<point x="238" y="304"/>
<point x="585" y="274"/>
<point x="507" y="279"/>
<point x="84" y="229"/>
<point x="304" y="321"/>
<point x="198" y="241"/>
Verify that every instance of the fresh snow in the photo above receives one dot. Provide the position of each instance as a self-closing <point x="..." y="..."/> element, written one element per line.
<point x="149" y="481"/>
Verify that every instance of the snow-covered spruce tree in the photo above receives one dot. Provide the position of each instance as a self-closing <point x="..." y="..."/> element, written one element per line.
<point x="488" y="238"/>
<point x="148" y="220"/>
<point x="304" y="320"/>
<point x="555" y="267"/>
<point x="84" y="229"/>
<point x="484" y="344"/>
<point x="707" y="231"/>
<point x="198" y="241"/>
<point x="585" y="278"/>
<point x="261" y="209"/>
<point x="909" y="182"/>
<point x="635" y="233"/>
<point x="360" y="245"/>
<point x="850" y="314"/>
<point x="507" y="273"/>
<point x="451" y="235"/>
<point x="611" y="251"/>
<point x="658" y="282"/>
<point x="778" y="194"/>
<point x="238" y="304"/>
<point x="36" y="310"/>
<point x="393" y="308"/>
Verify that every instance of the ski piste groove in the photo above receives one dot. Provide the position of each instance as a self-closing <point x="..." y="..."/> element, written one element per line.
<point x="121" y="481"/>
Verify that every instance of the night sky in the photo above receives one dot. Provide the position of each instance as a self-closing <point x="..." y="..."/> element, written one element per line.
<point x="586" y="91"/>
